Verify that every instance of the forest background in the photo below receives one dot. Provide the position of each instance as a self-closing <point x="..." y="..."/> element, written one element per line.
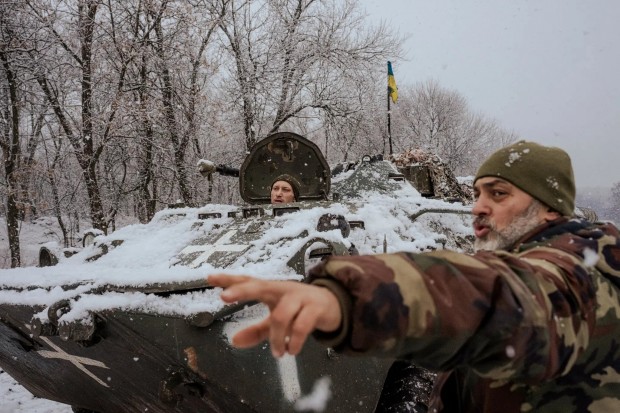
<point x="107" y="105"/>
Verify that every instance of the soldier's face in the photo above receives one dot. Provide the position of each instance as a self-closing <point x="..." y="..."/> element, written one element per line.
<point x="503" y="214"/>
<point x="282" y="193"/>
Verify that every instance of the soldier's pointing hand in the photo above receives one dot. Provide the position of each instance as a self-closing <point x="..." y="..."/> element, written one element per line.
<point x="296" y="310"/>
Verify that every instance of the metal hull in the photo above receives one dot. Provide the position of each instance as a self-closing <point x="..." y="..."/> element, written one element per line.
<point x="138" y="363"/>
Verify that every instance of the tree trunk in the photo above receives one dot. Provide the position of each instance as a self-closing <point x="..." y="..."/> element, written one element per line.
<point x="88" y="160"/>
<point x="57" y="210"/>
<point x="146" y="201"/>
<point x="27" y="161"/>
<point x="10" y="146"/>
<point x="179" y="143"/>
<point x="94" y="198"/>
<point x="245" y="77"/>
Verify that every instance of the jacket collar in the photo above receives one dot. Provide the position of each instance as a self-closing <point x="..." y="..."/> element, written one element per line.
<point x="551" y="229"/>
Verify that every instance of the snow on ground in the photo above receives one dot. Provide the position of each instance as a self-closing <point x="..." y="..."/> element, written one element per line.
<point x="16" y="399"/>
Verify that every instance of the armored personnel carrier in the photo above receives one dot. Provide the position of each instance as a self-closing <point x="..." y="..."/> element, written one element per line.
<point x="129" y="323"/>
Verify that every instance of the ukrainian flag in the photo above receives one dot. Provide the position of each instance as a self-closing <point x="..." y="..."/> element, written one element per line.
<point x="392" y="89"/>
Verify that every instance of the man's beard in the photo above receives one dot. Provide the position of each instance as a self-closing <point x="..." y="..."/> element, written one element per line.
<point x="505" y="238"/>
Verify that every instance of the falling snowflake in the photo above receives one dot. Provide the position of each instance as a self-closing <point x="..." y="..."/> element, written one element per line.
<point x="317" y="399"/>
<point x="590" y="257"/>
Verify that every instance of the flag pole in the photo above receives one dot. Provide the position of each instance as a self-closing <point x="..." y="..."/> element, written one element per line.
<point x="389" y="120"/>
<point x="392" y="93"/>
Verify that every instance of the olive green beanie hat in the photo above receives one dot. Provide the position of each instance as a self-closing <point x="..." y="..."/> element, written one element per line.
<point x="543" y="172"/>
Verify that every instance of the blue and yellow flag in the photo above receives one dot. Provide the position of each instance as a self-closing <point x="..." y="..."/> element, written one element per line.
<point x="392" y="89"/>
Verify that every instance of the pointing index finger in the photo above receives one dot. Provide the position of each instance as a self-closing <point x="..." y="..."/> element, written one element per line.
<point x="225" y="280"/>
<point x="244" y="288"/>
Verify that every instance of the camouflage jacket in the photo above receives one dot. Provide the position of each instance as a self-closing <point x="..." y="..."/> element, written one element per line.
<point x="536" y="329"/>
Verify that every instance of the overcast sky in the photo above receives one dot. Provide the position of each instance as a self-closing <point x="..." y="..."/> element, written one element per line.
<point x="547" y="70"/>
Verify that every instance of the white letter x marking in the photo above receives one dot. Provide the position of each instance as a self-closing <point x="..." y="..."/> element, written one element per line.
<point x="75" y="360"/>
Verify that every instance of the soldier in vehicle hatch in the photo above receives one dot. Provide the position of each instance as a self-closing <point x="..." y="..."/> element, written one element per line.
<point x="284" y="189"/>
<point x="530" y="322"/>
<point x="283" y="156"/>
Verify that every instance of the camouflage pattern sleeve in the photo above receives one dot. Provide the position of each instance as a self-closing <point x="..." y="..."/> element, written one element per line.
<point x="344" y="299"/>
<point x="525" y="315"/>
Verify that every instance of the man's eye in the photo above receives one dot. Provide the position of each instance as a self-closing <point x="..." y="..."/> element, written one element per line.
<point x="499" y="193"/>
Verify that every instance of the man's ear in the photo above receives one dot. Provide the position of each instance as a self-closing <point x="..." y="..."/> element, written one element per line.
<point x="551" y="215"/>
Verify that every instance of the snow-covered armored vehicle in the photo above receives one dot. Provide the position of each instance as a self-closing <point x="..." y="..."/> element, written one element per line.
<point x="130" y="324"/>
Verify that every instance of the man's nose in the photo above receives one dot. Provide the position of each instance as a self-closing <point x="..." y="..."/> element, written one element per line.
<point x="481" y="207"/>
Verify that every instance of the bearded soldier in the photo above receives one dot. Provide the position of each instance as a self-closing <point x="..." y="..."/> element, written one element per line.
<point x="528" y="323"/>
